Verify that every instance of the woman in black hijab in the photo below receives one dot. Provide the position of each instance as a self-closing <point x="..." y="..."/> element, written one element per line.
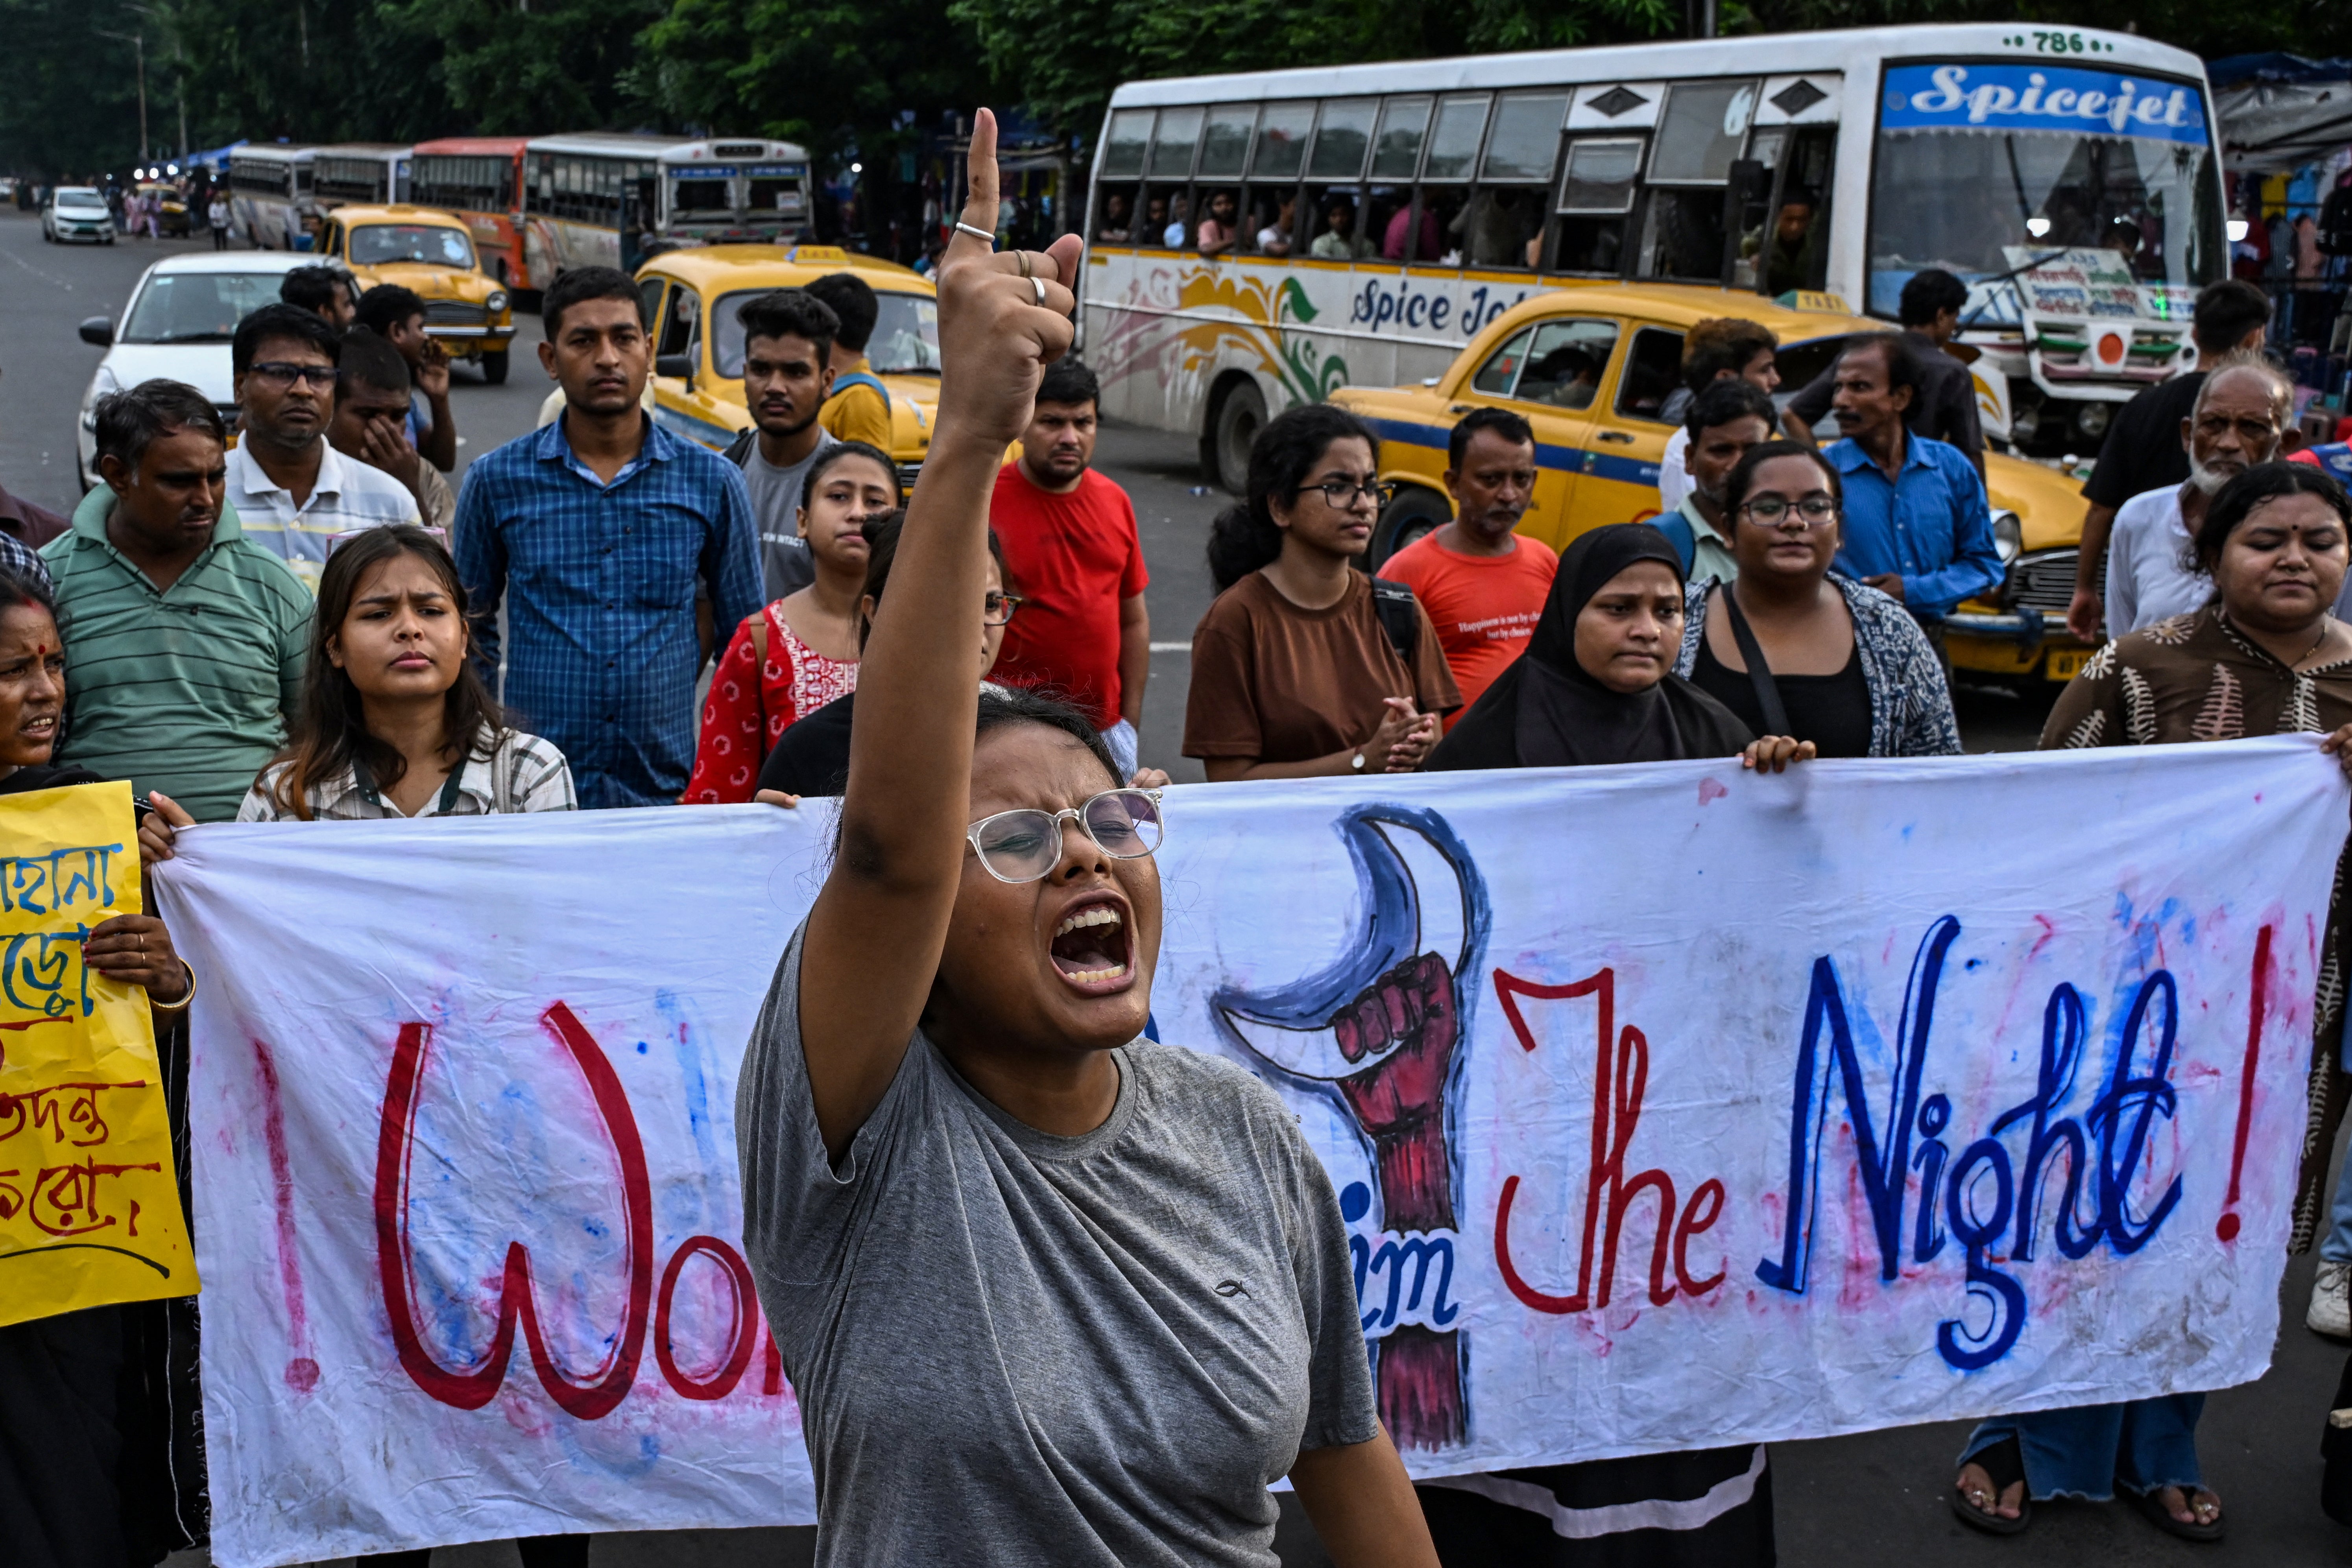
<point x="1596" y="685"/>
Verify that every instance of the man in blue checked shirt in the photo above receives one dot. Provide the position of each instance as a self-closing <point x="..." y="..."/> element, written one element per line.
<point x="598" y="529"/>
<point x="1915" y="522"/>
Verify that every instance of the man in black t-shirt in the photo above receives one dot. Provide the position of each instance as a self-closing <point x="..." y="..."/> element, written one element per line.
<point x="2144" y="449"/>
<point x="1945" y="407"/>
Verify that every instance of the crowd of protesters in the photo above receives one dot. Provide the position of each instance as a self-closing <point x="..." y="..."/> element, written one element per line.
<point x="305" y="622"/>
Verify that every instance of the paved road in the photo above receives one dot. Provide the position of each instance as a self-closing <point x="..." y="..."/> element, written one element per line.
<point x="1867" y="1500"/>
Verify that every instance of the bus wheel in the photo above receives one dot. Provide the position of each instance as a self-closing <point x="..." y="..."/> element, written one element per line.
<point x="1414" y="514"/>
<point x="1240" y="415"/>
<point x="494" y="366"/>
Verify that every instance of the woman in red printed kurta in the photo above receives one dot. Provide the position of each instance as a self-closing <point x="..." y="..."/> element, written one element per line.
<point x="801" y="652"/>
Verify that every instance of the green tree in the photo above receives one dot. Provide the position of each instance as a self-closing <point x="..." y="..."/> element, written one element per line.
<point x="533" y="66"/>
<point x="72" y="104"/>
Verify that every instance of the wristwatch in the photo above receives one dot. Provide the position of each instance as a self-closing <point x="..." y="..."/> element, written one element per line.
<point x="1358" y="764"/>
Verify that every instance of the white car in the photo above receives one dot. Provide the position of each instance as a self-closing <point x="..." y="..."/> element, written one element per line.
<point x="76" y="213"/>
<point x="178" y="325"/>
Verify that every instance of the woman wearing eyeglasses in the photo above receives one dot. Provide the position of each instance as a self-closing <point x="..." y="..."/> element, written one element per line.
<point x="1305" y="667"/>
<point x="799" y="653"/>
<point x="1048" y="1292"/>
<point x="1794" y="648"/>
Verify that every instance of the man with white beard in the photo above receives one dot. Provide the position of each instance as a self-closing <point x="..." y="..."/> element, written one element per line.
<point x="2242" y="411"/>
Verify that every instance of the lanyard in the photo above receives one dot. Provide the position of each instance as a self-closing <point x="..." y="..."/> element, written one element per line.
<point x="450" y="792"/>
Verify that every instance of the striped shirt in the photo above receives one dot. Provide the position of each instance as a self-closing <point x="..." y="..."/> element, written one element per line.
<point x="517" y="773"/>
<point x="599" y="582"/>
<point x="348" y="495"/>
<point x="184" y="690"/>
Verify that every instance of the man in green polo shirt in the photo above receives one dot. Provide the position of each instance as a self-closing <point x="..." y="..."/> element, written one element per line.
<point x="184" y="642"/>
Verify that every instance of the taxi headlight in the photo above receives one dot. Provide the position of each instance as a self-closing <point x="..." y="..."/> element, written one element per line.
<point x="2008" y="536"/>
<point x="496" y="301"/>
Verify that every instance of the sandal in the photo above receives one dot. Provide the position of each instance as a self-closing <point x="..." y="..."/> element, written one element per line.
<point x="2004" y="1465"/>
<point x="2151" y="1504"/>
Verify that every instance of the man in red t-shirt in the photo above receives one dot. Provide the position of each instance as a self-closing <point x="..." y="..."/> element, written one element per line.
<point x="1076" y="565"/>
<point x="1482" y="584"/>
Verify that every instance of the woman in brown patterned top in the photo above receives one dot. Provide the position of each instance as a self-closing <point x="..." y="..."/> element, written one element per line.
<point x="2262" y="657"/>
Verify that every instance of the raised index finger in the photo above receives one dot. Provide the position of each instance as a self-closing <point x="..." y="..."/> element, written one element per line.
<point x="979" y="201"/>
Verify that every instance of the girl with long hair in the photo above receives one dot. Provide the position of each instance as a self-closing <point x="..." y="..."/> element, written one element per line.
<point x="1304" y="666"/>
<point x="799" y="653"/>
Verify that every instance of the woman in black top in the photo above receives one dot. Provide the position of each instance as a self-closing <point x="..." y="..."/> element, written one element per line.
<point x="1791" y="645"/>
<point x="1594" y="687"/>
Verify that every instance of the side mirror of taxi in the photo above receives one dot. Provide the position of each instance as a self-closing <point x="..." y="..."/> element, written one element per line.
<point x="678" y="365"/>
<point x="98" y="331"/>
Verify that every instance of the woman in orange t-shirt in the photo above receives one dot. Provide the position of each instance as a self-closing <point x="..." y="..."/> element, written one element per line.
<point x="801" y="652"/>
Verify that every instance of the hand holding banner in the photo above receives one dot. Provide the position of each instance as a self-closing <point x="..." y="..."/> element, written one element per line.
<point x="89" y="1205"/>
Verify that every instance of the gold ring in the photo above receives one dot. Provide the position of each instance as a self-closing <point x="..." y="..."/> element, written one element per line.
<point x="1022" y="257"/>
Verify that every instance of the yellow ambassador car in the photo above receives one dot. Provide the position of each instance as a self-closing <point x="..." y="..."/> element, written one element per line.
<point x="467" y="310"/>
<point x="693" y="297"/>
<point x="1592" y="370"/>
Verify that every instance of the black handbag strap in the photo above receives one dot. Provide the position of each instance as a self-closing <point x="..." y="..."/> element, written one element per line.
<point x="1760" y="673"/>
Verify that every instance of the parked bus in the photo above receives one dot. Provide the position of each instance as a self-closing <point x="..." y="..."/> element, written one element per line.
<point x="615" y="199"/>
<point x="1385" y="214"/>
<point x="370" y="173"/>
<point x="478" y="180"/>
<point x="270" y="194"/>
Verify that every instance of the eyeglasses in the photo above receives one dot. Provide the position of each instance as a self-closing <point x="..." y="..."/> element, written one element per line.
<point x="1340" y="493"/>
<point x="997" y="608"/>
<point x="1769" y="510"/>
<point x="279" y="373"/>
<point x="1022" y="846"/>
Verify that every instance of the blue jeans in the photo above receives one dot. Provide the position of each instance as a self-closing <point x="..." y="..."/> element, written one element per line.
<point x="2336" y="1247"/>
<point x="2142" y="1445"/>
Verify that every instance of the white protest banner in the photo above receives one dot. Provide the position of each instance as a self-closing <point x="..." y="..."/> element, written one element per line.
<point x="1669" y="1106"/>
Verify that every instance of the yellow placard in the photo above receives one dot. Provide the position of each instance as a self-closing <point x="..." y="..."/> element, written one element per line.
<point x="89" y="1211"/>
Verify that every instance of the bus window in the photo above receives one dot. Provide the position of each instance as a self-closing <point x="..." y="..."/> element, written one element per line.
<point x="1123" y="144"/>
<point x="1115" y="220"/>
<point x="1282" y="133"/>
<point x="701" y="196"/>
<point x="1565" y="363"/>
<point x="1224" y="149"/>
<point x="1341" y="139"/>
<point x="1500" y="226"/>
<point x="1700" y="131"/>
<point x="1173" y="144"/>
<point x="1454" y="145"/>
<point x="1595" y="196"/>
<point x="1652" y="373"/>
<point x="776" y="195"/>
<point x="1796" y="254"/>
<point x="1167" y="218"/>
<point x="1526" y="140"/>
<point x="1396" y="150"/>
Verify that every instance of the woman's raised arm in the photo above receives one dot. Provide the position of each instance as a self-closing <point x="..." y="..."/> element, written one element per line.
<point x="874" y="939"/>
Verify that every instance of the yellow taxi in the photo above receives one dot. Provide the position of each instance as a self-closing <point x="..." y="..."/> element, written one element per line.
<point x="693" y="298"/>
<point x="465" y="309"/>
<point x="1592" y="369"/>
<point x="171" y="207"/>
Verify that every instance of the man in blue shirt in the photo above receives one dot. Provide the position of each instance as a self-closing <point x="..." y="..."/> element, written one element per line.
<point x="1917" y="523"/>
<point x="598" y="531"/>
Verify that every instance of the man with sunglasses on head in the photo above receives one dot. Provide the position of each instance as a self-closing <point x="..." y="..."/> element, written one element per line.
<point x="292" y="490"/>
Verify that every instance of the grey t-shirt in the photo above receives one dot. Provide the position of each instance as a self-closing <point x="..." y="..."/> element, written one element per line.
<point x="784" y="564"/>
<point x="1014" y="1347"/>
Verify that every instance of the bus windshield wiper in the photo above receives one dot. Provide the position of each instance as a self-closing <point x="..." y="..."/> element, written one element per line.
<point x="1970" y="319"/>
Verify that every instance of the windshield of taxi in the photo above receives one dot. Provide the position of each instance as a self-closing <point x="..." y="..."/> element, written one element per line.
<point x="384" y="244"/>
<point x="1993" y="170"/>
<point x="906" y="339"/>
<point x="197" y="307"/>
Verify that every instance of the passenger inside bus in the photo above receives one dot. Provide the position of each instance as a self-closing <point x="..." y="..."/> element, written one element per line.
<point x="1339" y="241"/>
<point x="1425" y="248"/>
<point x="1274" y="237"/>
<point x="1219" y="232"/>
<point x="1790" y="258"/>
<point x="1114" y="228"/>
<point x="1180" y="221"/>
<point x="1155" y="220"/>
<point x="1500" y="227"/>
